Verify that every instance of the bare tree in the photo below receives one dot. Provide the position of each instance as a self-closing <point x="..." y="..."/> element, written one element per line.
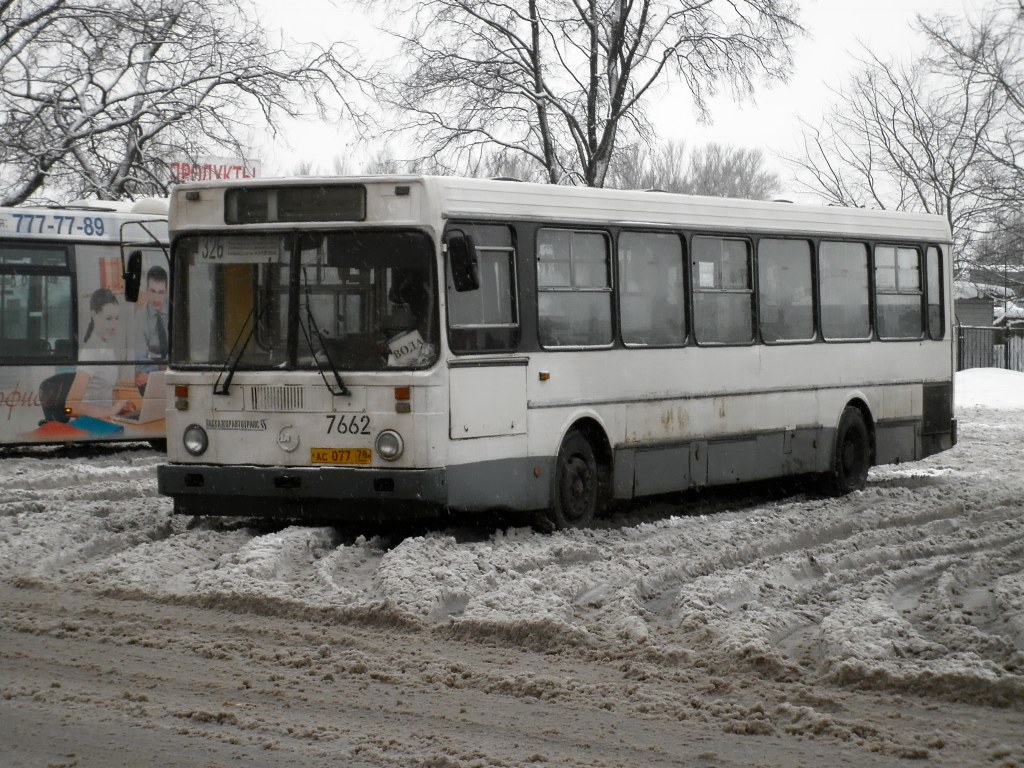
<point x="564" y="82"/>
<point x="943" y="134"/>
<point x="97" y="95"/>
<point x="731" y="172"/>
<point x="906" y="137"/>
<point x="993" y="47"/>
<point x="381" y="159"/>
<point x="650" y="166"/>
<point x="711" y="169"/>
<point x="998" y="258"/>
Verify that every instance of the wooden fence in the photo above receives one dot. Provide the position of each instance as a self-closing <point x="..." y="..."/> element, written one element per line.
<point x="1015" y="353"/>
<point x="989" y="348"/>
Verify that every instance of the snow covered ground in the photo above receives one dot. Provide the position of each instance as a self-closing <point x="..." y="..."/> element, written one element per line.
<point x="912" y="589"/>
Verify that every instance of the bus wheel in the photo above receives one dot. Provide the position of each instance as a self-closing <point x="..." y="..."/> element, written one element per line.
<point x="852" y="458"/>
<point x="580" y="485"/>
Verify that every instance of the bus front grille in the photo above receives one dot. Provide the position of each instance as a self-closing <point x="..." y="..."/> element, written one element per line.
<point x="277" y="398"/>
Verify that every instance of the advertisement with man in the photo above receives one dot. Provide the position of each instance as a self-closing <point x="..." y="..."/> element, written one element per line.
<point x="78" y="362"/>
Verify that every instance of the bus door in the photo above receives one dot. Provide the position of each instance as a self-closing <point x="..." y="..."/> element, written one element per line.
<point x="487" y="378"/>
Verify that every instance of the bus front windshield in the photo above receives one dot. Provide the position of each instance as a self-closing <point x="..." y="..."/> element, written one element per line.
<point x="357" y="300"/>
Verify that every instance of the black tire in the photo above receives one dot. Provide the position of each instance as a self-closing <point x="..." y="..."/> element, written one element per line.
<point x="851" y="458"/>
<point x="581" y="487"/>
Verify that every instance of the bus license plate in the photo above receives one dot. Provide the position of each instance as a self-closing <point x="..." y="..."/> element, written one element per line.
<point x="361" y="456"/>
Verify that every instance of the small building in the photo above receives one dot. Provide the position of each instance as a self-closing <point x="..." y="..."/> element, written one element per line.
<point x="974" y="304"/>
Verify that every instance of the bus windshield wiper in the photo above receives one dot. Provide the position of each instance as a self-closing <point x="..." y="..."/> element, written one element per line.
<point x="230" y="367"/>
<point x="338" y="387"/>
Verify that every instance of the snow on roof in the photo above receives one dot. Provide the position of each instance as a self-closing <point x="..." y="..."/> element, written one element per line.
<point x="963" y="289"/>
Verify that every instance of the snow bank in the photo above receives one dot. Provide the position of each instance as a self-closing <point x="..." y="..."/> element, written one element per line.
<point x="915" y="584"/>
<point x="994" y="388"/>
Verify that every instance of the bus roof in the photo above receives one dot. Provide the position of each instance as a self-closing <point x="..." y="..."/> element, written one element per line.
<point x="149" y="206"/>
<point x="493" y="199"/>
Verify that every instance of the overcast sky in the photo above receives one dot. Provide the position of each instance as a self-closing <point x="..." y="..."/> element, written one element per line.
<point x="824" y="58"/>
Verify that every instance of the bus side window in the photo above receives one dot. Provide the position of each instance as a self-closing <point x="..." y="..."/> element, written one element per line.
<point x="652" y="294"/>
<point x="936" y="329"/>
<point x="898" y="292"/>
<point x="785" y="290"/>
<point x="843" y="288"/>
<point x="485" y="318"/>
<point x="35" y="283"/>
<point x="574" y="307"/>
<point x="722" y="296"/>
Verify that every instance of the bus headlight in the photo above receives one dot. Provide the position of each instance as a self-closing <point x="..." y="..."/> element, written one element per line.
<point x="195" y="440"/>
<point x="389" y="445"/>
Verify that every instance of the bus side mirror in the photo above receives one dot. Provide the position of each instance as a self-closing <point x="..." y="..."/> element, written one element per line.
<point x="462" y="260"/>
<point x="133" y="277"/>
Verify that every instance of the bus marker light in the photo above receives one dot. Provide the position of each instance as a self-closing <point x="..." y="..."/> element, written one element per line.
<point x="544" y="375"/>
<point x="537" y="472"/>
<point x="181" y="397"/>
<point x="403" y="407"/>
<point x="402" y="393"/>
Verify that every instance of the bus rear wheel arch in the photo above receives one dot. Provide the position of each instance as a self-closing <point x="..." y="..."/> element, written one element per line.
<point x="853" y="453"/>
<point x="582" y="481"/>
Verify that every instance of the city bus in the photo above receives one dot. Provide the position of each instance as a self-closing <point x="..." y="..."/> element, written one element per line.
<point x="80" y="356"/>
<point x="345" y="347"/>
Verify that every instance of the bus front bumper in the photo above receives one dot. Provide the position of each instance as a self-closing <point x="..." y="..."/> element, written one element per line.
<point x="338" y="492"/>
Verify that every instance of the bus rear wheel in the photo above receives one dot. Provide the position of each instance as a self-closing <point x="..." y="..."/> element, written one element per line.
<point x="852" y="458"/>
<point x="580" y="483"/>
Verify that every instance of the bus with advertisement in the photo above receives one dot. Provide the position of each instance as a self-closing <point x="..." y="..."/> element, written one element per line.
<point x="344" y="346"/>
<point x="82" y="356"/>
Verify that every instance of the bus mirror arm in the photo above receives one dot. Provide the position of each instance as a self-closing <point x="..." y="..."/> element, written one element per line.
<point x="133" y="276"/>
<point x="463" y="261"/>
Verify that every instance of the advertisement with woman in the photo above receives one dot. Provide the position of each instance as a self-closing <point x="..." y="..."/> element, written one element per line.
<point x="78" y="362"/>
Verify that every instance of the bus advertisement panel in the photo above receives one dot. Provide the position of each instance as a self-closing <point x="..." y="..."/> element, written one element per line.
<point x="80" y="360"/>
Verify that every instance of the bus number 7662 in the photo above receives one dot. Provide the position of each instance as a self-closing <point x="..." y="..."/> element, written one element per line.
<point x="348" y="424"/>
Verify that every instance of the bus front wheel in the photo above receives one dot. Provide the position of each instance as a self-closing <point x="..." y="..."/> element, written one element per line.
<point x="852" y="458"/>
<point x="580" y="485"/>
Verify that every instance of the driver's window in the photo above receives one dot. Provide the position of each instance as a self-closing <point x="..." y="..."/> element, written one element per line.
<point x="486" y="318"/>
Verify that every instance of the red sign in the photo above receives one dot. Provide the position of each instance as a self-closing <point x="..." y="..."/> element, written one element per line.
<point x="213" y="169"/>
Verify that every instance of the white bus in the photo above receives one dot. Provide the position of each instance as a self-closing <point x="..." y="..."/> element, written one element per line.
<point x="476" y="344"/>
<point x="74" y="366"/>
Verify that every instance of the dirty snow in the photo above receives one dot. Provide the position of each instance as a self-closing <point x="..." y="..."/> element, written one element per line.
<point x="913" y="587"/>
